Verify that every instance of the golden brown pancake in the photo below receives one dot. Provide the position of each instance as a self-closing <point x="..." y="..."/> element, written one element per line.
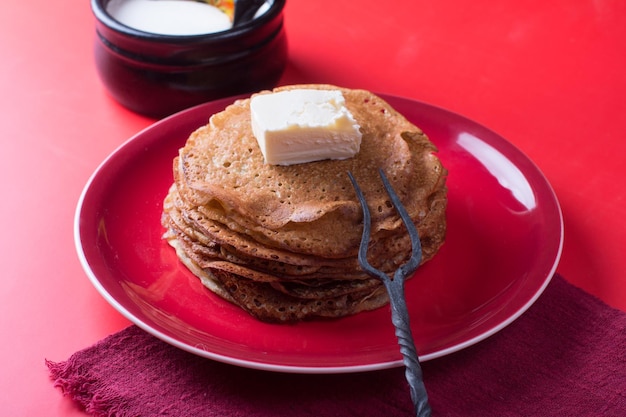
<point x="281" y="241"/>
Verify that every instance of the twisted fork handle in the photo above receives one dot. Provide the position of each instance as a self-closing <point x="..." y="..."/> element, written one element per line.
<point x="413" y="370"/>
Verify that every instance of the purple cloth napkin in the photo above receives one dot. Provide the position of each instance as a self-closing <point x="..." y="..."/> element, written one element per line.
<point x="566" y="356"/>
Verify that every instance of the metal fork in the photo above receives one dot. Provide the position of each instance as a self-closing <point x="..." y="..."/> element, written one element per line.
<point x="395" y="289"/>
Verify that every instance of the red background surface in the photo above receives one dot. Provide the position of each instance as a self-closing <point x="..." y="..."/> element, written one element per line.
<point x="548" y="76"/>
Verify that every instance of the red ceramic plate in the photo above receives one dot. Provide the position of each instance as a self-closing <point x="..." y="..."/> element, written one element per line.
<point x="503" y="244"/>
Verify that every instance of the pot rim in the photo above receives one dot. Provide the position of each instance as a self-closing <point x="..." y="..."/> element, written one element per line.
<point x="98" y="8"/>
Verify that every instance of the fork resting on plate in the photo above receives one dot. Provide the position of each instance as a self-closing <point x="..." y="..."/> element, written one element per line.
<point x="395" y="289"/>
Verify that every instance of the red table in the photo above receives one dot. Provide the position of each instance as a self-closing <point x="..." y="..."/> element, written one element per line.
<point x="548" y="76"/>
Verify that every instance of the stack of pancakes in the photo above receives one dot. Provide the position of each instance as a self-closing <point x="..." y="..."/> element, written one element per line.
<point x="282" y="241"/>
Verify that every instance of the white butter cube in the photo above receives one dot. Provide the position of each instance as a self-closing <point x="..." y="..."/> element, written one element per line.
<point x="298" y="126"/>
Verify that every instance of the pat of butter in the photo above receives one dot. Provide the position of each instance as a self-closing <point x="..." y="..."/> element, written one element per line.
<point x="298" y="126"/>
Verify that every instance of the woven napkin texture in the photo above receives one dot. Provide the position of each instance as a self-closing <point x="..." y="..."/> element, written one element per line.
<point x="566" y="356"/>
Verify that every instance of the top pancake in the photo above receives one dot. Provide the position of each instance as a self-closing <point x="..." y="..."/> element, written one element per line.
<point x="308" y="208"/>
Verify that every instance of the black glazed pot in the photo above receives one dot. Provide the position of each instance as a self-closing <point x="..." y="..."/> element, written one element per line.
<point x="157" y="75"/>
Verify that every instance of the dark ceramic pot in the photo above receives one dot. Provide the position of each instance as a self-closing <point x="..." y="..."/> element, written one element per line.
<point x="157" y="75"/>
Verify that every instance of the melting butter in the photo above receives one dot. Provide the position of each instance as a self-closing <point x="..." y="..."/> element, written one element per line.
<point x="304" y="125"/>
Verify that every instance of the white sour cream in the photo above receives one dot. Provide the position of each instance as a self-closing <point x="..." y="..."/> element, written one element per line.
<point x="169" y="17"/>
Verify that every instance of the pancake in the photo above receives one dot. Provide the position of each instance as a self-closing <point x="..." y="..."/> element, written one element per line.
<point x="282" y="241"/>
